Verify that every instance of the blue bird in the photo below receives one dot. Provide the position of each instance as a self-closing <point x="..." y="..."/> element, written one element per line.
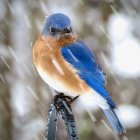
<point x="67" y="65"/>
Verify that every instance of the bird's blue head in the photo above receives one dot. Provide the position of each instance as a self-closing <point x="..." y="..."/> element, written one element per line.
<point x="57" y="25"/>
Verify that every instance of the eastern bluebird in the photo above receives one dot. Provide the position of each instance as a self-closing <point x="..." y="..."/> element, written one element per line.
<point x="67" y="65"/>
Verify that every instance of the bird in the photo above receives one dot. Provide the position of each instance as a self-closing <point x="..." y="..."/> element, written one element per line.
<point x="67" y="65"/>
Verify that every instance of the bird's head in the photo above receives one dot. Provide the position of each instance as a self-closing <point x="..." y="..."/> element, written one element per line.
<point x="57" y="25"/>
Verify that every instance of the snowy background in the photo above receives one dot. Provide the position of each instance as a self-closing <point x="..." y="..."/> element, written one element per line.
<point x="111" y="28"/>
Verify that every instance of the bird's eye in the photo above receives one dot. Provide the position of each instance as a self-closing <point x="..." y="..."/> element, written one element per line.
<point x="53" y="29"/>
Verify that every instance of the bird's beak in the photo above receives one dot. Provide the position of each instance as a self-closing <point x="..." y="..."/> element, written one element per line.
<point x="66" y="31"/>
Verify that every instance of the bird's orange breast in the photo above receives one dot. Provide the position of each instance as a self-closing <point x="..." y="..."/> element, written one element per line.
<point x="49" y="61"/>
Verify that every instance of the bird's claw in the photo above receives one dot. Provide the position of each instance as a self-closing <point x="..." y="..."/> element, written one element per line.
<point x="68" y="99"/>
<point x="62" y="99"/>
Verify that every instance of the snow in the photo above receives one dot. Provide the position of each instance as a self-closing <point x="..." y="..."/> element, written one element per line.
<point x="5" y="62"/>
<point x="21" y="87"/>
<point x="129" y="116"/>
<point x="2" y="79"/>
<point x="58" y="67"/>
<point x="125" y="46"/>
<point x="126" y="57"/>
<point x="76" y="60"/>
<point x="119" y="27"/>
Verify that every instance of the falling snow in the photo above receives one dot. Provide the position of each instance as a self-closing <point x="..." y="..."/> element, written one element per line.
<point x="111" y="30"/>
<point x="58" y="67"/>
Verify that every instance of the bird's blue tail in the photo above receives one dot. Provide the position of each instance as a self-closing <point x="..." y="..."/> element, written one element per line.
<point x="113" y="119"/>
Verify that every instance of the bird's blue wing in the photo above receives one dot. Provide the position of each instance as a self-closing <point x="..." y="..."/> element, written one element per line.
<point x="80" y="56"/>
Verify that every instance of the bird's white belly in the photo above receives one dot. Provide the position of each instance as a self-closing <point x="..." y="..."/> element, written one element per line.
<point x="94" y="98"/>
<point x="55" y="83"/>
<point x="89" y="98"/>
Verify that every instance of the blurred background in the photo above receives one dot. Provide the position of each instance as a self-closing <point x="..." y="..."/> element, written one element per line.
<point x="111" y="30"/>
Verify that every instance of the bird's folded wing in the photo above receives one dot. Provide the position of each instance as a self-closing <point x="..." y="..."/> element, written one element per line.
<point x="81" y="58"/>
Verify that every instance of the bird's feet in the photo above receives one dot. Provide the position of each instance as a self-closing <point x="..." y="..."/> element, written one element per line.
<point x="61" y="101"/>
<point x="66" y="98"/>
